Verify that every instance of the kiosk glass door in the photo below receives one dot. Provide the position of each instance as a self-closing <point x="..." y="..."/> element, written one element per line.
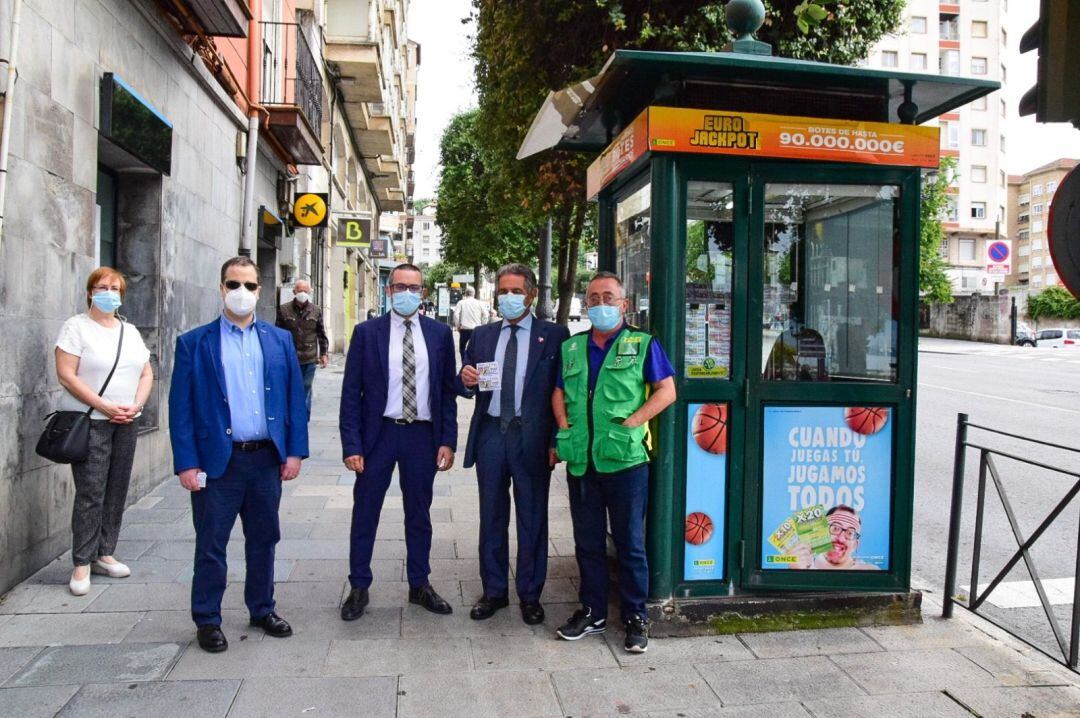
<point x="822" y="424"/>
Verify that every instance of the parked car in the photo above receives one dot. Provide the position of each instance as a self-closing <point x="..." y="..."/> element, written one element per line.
<point x="1057" y="337"/>
<point x="575" y="309"/>
<point x="1025" y="336"/>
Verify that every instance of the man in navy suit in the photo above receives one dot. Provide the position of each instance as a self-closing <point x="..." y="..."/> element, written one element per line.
<point x="398" y="408"/>
<point x="512" y="441"/>
<point x="238" y="423"/>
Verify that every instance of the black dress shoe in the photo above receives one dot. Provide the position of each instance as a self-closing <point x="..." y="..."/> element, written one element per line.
<point x="211" y="639"/>
<point x="353" y="608"/>
<point x="487" y="606"/>
<point x="532" y="612"/>
<point x="273" y="624"/>
<point x="425" y="596"/>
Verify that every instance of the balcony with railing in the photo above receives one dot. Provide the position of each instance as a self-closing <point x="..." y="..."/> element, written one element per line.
<point x="292" y="91"/>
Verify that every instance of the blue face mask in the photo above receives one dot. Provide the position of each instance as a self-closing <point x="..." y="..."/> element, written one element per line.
<point x="108" y="301"/>
<point x="605" y="318"/>
<point x="405" y="303"/>
<point x="512" y="306"/>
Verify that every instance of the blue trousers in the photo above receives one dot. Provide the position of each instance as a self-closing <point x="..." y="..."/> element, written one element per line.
<point x="308" y="372"/>
<point x="622" y="497"/>
<point x="407" y="448"/>
<point x="500" y="464"/>
<point x="250" y="488"/>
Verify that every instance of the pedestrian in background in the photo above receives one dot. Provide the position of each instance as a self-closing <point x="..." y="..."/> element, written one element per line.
<point x="614" y="379"/>
<point x="99" y="349"/>
<point x="238" y="425"/>
<point x="512" y="442"/>
<point x="398" y="409"/>
<point x="469" y="314"/>
<point x="303" y="319"/>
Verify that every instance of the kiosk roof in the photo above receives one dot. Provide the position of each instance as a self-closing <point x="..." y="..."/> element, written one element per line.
<point x="588" y="115"/>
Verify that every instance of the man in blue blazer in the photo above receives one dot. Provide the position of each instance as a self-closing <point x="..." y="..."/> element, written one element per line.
<point x="512" y="441"/>
<point x="398" y="408"/>
<point x="238" y="424"/>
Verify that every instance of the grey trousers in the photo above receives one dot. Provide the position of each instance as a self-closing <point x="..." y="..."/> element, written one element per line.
<point x="101" y="486"/>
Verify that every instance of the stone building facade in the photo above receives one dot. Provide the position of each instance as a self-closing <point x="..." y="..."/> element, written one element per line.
<point x="161" y="197"/>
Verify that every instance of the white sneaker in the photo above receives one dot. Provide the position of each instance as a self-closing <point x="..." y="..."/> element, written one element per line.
<point x="113" y="570"/>
<point x="79" y="587"/>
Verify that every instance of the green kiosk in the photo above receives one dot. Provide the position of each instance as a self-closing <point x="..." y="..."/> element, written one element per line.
<point x="763" y="214"/>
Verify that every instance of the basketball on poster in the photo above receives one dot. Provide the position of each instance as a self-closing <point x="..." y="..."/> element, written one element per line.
<point x="706" y="491"/>
<point x="827" y="468"/>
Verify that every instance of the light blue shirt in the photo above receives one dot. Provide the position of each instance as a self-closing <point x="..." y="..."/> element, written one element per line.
<point x="523" y="333"/>
<point x="242" y="360"/>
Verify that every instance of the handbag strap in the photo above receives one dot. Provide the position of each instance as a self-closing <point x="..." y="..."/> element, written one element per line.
<point x="112" y="371"/>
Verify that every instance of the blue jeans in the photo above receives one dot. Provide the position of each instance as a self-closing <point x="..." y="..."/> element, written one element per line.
<point x="250" y="488"/>
<point x="622" y="496"/>
<point x="308" y="372"/>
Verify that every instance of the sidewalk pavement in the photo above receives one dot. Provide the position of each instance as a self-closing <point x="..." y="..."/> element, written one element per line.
<point x="127" y="648"/>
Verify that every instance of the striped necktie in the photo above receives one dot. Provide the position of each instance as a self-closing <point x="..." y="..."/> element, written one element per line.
<point x="408" y="376"/>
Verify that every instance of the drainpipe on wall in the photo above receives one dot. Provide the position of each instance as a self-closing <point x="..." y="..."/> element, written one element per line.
<point x="247" y="231"/>
<point x="9" y="97"/>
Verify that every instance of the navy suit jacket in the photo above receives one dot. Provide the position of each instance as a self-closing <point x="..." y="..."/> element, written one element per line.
<point x="200" y="424"/>
<point x="537" y="419"/>
<point x="367" y="376"/>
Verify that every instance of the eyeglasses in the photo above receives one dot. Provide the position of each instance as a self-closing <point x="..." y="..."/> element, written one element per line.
<point x="850" y="534"/>
<point x="414" y="288"/>
<point x="231" y="284"/>
<point x="607" y="299"/>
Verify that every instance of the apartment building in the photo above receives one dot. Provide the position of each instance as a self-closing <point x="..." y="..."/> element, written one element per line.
<point x="427" y="237"/>
<point x="966" y="38"/>
<point x="1030" y="196"/>
<point x="162" y="137"/>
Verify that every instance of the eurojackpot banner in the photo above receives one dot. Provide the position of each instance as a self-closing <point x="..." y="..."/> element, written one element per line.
<point x="714" y="132"/>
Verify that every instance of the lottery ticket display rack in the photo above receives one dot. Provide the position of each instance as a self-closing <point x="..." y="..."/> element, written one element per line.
<point x="763" y="214"/>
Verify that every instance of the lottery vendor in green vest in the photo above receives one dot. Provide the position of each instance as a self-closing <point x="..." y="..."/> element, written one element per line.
<point x="614" y="379"/>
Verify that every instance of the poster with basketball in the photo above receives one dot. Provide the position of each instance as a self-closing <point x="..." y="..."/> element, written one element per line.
<point x="827" y="494"/>
<point x="706" y="491"/>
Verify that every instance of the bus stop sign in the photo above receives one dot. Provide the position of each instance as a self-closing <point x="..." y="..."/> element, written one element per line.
<point x="1064" y="231"/>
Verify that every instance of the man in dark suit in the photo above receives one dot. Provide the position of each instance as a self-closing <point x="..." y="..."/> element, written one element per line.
<point x="512" y="442"/>
<point x="398" y="407"/>
<point x="238" y="423"/>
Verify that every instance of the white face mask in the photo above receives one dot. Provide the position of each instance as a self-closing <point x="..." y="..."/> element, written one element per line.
<point x="302" y="297"/>
<point x="240" y="301"/>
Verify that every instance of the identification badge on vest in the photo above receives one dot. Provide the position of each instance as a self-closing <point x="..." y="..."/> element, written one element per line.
<point x="629" y="347"/>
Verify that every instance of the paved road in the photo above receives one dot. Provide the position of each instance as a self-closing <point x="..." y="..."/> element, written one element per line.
<point x="1034" y="392"/>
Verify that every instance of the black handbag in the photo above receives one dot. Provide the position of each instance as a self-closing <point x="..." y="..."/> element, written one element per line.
<point x="66" y="439"/>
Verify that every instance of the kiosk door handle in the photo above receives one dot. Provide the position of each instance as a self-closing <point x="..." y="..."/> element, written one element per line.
<point x="746" y="393"/>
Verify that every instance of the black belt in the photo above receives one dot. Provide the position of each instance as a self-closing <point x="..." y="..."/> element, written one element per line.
<point x="405" y="422"/>
<point x="252" y="445"/>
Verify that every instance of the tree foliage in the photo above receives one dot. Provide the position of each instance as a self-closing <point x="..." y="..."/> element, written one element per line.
<point x="527" y="48"/>
<point x="934" y="285"/>
<point x="479" y="228"/>
<point x="1053" y="303"/>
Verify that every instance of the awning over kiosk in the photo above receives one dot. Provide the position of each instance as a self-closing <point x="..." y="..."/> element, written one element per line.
<point x="631" y="80"/>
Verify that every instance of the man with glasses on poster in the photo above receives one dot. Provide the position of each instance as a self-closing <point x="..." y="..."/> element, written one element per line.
<point x="845" y="529"/>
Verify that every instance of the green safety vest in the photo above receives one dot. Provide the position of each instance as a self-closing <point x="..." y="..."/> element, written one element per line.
<point x="596" y="417"/>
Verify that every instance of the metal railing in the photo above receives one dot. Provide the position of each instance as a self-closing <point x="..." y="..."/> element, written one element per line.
<point x="1070" y="649"/>
<point x="290" y="72"/>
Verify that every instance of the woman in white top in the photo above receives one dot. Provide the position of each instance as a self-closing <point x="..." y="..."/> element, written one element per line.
<point x="85" y="353"/>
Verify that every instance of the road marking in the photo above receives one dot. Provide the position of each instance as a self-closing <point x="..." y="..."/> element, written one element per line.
<point x="1021" y="594"/>
<point x="1000" y="398"/>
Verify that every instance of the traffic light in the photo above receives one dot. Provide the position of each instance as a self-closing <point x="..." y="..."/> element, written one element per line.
<point x="1056" y="95"/>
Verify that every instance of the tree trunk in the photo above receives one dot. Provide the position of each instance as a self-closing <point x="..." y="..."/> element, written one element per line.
<point x="569" y="244"/>
<point x="476" y="279"/>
